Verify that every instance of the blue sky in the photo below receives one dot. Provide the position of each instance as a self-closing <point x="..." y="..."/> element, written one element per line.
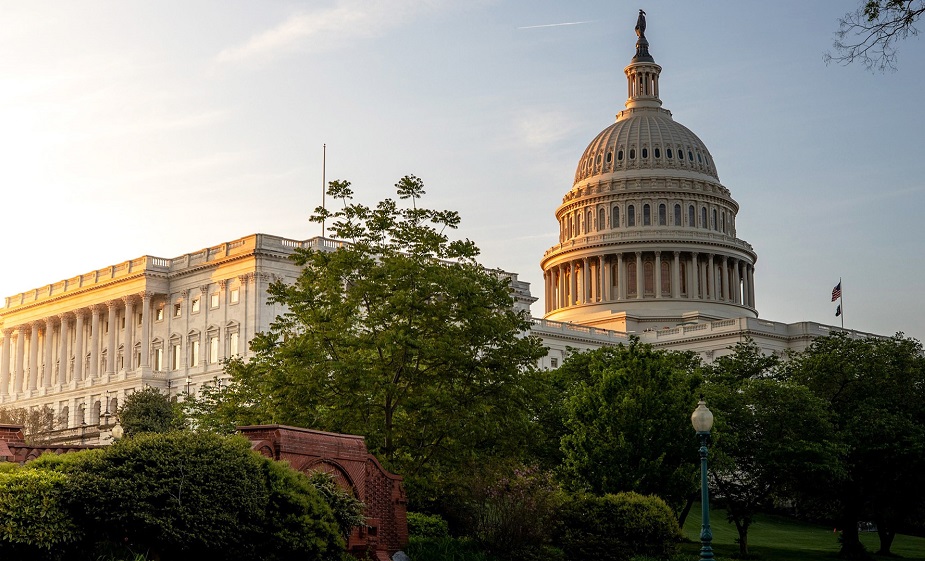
<point x="134" y="128"/>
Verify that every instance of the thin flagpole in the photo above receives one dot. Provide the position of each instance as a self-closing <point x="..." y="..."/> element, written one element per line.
<point x="841" y="302"/>
<point x="324" y="161"/>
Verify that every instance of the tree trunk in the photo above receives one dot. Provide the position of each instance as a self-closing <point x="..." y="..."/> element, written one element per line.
<point x="886" y="533"/>
<point x="742" y="528"/>
<point x="687" y="508"/>
<point x="851" y="546"/>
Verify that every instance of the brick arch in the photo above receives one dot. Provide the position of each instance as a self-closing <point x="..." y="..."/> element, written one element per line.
<point x="332" y="467"/>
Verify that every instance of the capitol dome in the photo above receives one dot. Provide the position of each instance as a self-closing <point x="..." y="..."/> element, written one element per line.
<point x="647" y="234"/>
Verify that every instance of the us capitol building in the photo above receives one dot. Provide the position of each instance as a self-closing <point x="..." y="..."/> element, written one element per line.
<point x="647" y="247"/>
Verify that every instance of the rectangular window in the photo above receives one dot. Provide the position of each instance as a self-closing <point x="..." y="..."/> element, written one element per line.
<point x="195" y="305"/>
<point x="159" y="314"/>
<point x="139" y="319"/>
<point x="213" y="300"/>
<point x="176" y="357"/>
<point x="554" y="362"/>
<point x="194" y="353"/>
<point x="177" y="310"/>
<point x="233" y="344"/>
<point x="213" y="350"/>
<point x="123" y="323"/>
<point x="158" y="359"/>
<point x="235" y="295"/>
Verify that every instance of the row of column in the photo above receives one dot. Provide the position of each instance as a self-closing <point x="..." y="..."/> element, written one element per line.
<point x="68" y="356"/>
<point x="605" y="278"/>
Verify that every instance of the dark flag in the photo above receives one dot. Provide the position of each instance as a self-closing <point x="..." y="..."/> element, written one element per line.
<point x="836" y="292"/>
<point x="838" y="311"/>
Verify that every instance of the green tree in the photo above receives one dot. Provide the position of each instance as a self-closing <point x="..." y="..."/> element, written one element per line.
<point x="875" y="388"/>
<point x="35" y="422"/>
<point x="149" y="410"/>
<point x="398" y="334"/>
<point x="627" y="422"/>
<point x="772" y="439"/>
<point x="870" y="32"/>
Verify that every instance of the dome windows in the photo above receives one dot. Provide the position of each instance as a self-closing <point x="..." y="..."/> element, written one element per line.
<point x="658" y="153"/>
<point x="615" y="217"/>
<point x="609" y="157"/>
<point x="601" y="219"/>
<point x="620" y="156"/>
<point x="699" y="158"/>
<point x="632" y="153"/>
<point x="703" y="217"/>
<point x="646" y="215"/>
<point x="662" y="215"/>
<point x="631" y="215"/>
<point x="668" y="153"/>
<point x="715" y="223"/>
<point x="645" y="153"/>
<point x="690" y="155"/>
<point x="677" y="215"/>
<point x="691" y="218"/>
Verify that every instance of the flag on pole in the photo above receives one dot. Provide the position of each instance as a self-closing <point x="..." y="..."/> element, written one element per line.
<point x="838" y="311"/>
<point x="836" y="292"/>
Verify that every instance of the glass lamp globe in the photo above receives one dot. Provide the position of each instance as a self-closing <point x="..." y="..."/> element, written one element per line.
<point x="117" y="431"/>
<point x="702" y="418"/>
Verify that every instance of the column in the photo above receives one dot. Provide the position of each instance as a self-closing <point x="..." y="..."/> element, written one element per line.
<point x="750" y="274"/>
<point x="95" y="340"/>
<point x="695" y="293"/>
<point x="20" y="359"/>
<point x="658" y="274"/>
<point x="34" y="356"/>
<point x="711" y="277"/>
<point x="111" y="340"/>
<point x="5" y="362"/>
<point x="572" y="284"/>
<point x="79" y="354"/>
<point x="605" y="279"/>
<point x="676" y="275"/>
<point x="560" y="281"/>
<point x="736" y="282"/>
<point x="640" y="289"/>
<point x="725" y="265"/>
<point x="621" y="278"/>
<point x="63" y="358"/>
<point x="586" y="281"/>
<point x="129" y="338"/>
<point x="47" y="344"/>
<point x="146" y="324"/>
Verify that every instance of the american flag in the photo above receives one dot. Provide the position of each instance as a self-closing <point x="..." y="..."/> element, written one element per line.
<point x="836" y="292"/>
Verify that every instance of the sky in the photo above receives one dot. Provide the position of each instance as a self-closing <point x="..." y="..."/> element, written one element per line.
<point x="133" y="128"/>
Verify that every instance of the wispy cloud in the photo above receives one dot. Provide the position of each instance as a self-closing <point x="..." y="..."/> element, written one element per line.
<point x="328" y="28"/>
<point x="555" y="24"/>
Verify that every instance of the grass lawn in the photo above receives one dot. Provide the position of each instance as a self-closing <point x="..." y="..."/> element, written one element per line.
<point x="776" y="538"/>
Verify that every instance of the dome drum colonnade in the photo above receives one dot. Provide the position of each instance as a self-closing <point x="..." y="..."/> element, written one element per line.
<point x="674" y="255"/>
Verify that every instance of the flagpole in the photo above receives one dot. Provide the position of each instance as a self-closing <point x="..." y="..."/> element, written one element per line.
<point x="324" y="158"/>
<point x="841" y="302"/>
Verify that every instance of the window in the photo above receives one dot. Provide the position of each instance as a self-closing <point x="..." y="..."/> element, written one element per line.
<point x="213" y="350"/>
<point x="195" y="305"/>
<point x="662" y="215"/>
<point x="139" y="316"/>
<point x="631" y="279"/>
<point x="159" y="314"/>
<point x="235" y="295"/>
<point x="123" y="322"/>
<point x="177" y="310"/>
<point x="690" y="217"/>
<point x="715" y="224"/>
<point x="615" y="217"/>
<point x="690" y="155"/>
<point x="158" y="359"/>
<point x="648" y="278"/>
<point x="194" y="353"/>
<point x="631" y="215"/>
<point x="699" y="159"/>
<point x="213" y="300"/>
<point x="554" y="362"/>
<point x="601" y="219"/>
<point x="658" y="154"/>
<point x="703" y="217"/>
<point x="175" y="357"/>
<point x="233" y="343"/>
<point x="646" y="215"/>
<point x="666" y="279"/>
<point x="632" y="153"/>
<point x="620" y="155"/>
<point x="668" y="153"/>
<point x="645" y="153"/>
<point x="588" y="222"/>
<point x="724" y="223"/>
<point x="609" y="157"/>
<point x="677" y="215"/>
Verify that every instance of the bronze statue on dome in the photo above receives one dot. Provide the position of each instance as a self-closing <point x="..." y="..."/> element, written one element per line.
<point x="641" y="24"/>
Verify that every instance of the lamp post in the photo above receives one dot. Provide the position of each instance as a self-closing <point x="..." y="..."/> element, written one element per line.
<point x="702" y="419"/>
<point x="189" y="380"/>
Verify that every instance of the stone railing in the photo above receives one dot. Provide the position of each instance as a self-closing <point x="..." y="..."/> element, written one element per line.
<point x="649" y="233"/>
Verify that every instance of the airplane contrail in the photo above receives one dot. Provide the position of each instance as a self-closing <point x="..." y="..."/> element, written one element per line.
<point x="555" y="24"/>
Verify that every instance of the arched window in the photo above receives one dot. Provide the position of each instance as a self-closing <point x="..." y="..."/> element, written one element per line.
<point x="724" y="223"/>
<point x="645" y="153"/>
<point x="631" y="283"/>
<point x="715" y="223"/>
<point x="668" y="153"/>
<point x="601" y="219"/>
<point x="615" y="217"/>
<point x="648" y="278"/>
<point x="646" y="215"/>
<point x="632" y="153"/>
<point x="658" y="154"/>
<point x="677" y="215"/>
<point x="662" y="215"/>
<point x="631" y="215"/>
<point x="620" y="155"/>
<point x="666" y="279"/>
<point x="691" y="222"/>
<point x="609" y="157"/>
<point x="589" y="220"/>
<point x="703" y="217"/>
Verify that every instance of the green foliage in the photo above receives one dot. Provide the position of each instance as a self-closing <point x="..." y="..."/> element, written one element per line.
<point x="875" y="388"/>
<point x="422" y="525"/>
<point x="617" y="527"/>
<point x="446" y="549"/>
<point x="626" y="425"/>
<point x="399" y="335"/>
<point x="149" y="410"/>
<point x="772" y="441"/>
<point x="870" y="32"/>
<point x="34" y="521"/>
<point x="348" y="510"/>
<point x="35" y="422"/>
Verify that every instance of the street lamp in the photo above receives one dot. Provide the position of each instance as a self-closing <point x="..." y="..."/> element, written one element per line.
<point x="117" y="432"/>
<point x="702" y="419"/>
<point x="189" y="380"/>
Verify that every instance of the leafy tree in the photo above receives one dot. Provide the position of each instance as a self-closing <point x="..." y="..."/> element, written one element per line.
<point x="400" y="335"/>
<point x="627" y="422"/>
<point x="876" y="389"/>
<point x="870" y="32"/>
<point x="149" y="410"/>
<point x="35" y="422"/>
<point x="772" y="439"/>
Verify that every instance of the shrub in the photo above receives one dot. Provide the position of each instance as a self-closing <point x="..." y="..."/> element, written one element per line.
<point x="348" y="510"/>
<point x="445" y="549"/>
<point x="617" y="527"/>
<point x="427" y="526"/>
<point x="34" y="520"/>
